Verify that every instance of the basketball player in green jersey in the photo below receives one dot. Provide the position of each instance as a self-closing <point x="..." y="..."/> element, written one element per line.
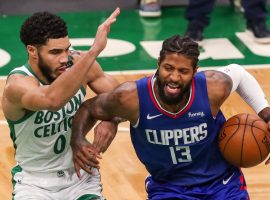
<point x="39" y="101"/>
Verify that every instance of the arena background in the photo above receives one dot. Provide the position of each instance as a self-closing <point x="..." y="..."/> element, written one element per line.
<point x="132" y="49"/>
<point x="135" y="41"/>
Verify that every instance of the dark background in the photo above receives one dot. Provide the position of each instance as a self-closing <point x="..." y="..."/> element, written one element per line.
<point x="15" y="7"/>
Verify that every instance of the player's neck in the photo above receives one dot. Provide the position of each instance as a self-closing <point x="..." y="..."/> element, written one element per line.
<point x="175" y="108"/>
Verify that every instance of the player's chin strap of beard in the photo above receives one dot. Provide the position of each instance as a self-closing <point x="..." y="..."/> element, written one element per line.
<point x="247" y="87"/>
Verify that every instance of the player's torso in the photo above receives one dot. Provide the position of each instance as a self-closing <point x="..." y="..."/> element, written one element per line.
<point x="179" y="146"/>
<point x="41" y="139"/>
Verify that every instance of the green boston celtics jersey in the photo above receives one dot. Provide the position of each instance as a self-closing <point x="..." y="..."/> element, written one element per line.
<point x="41" y="138"/>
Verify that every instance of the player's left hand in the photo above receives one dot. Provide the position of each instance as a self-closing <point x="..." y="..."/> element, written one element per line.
<point x="265" y="115"/>
<point x="268" y="123"/>
<point x="104" y="132"/>
<point x="85" y="156"/>
<point x="103" y="31"/>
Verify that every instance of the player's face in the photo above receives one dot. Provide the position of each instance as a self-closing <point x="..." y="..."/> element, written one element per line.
<point x="174" y="78"/>
<point x="53" y="57"/>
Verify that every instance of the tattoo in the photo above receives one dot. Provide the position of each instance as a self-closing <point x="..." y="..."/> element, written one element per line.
<point x="70" y="57"/>
<point x="70" y="61"/>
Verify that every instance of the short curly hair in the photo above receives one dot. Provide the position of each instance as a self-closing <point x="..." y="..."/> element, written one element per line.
<point x="180" y="45"/>
<point x="40" y="27"/>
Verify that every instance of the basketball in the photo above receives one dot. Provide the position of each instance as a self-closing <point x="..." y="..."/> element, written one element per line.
<point x="244" y="140"/>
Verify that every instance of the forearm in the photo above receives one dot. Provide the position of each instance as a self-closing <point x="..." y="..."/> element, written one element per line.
<point x="67" y="84"/>
<point x="118" y="120"/>
<point x="82" y="123"/>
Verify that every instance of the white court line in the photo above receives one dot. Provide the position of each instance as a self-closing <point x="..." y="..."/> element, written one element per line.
<point x="151" y="71"/>
<point x="123" y="129"/>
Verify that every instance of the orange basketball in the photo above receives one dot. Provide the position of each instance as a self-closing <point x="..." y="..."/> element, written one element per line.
<point x="244" y="140"/>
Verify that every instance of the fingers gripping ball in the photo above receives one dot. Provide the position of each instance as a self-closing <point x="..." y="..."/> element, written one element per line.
<point x="244" y="140"/>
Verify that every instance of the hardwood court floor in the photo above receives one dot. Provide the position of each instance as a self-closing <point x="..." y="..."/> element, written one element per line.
<point x="122" y="174"/>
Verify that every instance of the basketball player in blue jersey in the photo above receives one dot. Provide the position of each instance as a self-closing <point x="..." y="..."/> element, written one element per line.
<point x="39" y="101"/>
<point x="175" y="119"/>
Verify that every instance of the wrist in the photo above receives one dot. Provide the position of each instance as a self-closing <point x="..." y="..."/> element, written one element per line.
<point x="265" y="114"/>
<point x="76" y="140"/>
<point x="118" y="120"/>
<point x="267" y="118"/>
<point x="94" y="51"/>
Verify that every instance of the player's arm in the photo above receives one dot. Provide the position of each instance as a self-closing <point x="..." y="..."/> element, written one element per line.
<point x="219" y="87"/>
<point x="105" y="131"/>
<point x="99" y="81"/>
<point x="54" y="96"/>
<point x="121" y="102"/>
<point x="236" y="78"/>
<point x="249" y="89"/>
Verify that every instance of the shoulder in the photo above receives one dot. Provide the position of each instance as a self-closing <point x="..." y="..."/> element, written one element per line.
<point x="214" y="75"/>
<point x="126" y="91"/>
<point x="21" y="74"/>
<point x="127" y="86"/>
<point x="128" y="100"/>
<point x="125" y="96"/>
<point x="218" y="79"/>
<point x="21" y="80"/>
<point x="218" y="87"/>
<point x="16" y="86"/>
<point x="121" y="102"/>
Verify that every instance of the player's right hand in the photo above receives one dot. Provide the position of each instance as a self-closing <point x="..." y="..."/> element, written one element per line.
<point x="103" y="30"/>
<point x="85" y="156"/>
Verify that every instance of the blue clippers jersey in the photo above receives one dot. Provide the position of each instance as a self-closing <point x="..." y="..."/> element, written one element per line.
<point x="180" y="148"/>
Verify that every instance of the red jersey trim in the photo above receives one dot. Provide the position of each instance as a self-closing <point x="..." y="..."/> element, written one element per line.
<point x="162" y="110"/>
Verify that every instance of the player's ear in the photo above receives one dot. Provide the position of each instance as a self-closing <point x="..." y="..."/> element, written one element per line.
<point x="32" y="51"/>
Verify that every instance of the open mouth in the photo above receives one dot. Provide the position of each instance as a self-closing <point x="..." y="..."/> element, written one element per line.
<point x="62" y="69"/>
<point x="172" y="89"/>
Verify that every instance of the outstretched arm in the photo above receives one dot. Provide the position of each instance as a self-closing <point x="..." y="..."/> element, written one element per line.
<point x="121" y="102"/>
<point x="25" y="93"/>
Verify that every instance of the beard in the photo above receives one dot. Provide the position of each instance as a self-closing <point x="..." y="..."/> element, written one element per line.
<point x="45" y="69"/>
<point x="172" y="100"/>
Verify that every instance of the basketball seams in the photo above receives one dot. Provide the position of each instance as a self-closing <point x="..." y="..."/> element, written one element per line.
<point x="257" y="143"/>
<point x="224" y="128"/>
<point x="251" y="125"/>
<point x="242" y="140"/>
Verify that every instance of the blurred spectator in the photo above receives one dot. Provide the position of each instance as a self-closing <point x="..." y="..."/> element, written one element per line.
<point x="197" y="13"/>
<point x="150" y="8"/>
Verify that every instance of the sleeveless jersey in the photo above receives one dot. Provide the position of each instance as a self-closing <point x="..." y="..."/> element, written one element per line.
<point x="41" y="138"/>
<point x="180" y="148"/>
